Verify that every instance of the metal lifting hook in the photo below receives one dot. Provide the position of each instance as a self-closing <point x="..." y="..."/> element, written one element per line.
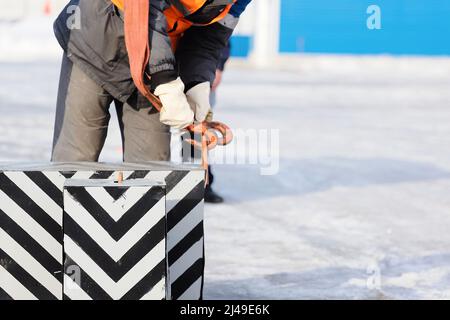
<point x="209" y="132"/>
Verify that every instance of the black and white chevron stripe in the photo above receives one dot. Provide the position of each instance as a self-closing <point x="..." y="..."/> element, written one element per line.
<point x="31" y="214"/>
<point x="114" y="246"/>
<point x="30" y="238"/>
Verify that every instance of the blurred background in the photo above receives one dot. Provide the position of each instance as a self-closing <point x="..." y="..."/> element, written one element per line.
<point x="359" y="92"/>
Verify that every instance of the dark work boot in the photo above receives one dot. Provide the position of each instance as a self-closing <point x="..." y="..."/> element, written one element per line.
<point x="211" y="196"/>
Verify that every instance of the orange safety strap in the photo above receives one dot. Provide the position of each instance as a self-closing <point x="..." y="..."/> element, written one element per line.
<point x="136" y="40"/>
<point x="137" y="43"/>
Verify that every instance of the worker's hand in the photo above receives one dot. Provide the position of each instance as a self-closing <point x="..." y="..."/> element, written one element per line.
<point x="198" y="98"/>
<point x="176" y="111"/>
<point x="217" y="80"/>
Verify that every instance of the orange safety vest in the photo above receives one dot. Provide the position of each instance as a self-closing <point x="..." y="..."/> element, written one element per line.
<point x="177" y="24"/>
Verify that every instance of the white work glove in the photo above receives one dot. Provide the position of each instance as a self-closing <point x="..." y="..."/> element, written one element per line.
<point x="198" y="98"/>
<point x="176" y="111"/>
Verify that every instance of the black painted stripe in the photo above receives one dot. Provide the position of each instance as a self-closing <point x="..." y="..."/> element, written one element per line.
<point x="138" y="174"/>
<point x="147" y="283"/>
<point x="102" y="175"/>
<point x="187" y="279"/>
<point x="14" y="269"/>
<point x="203" y="272"/>
<point x="30" y="207"/>
<point x="186" y="243"/>
<point x="89" y="286"/>
<point x="46" y="185"/>
<point x="27" y="242"/>
<point x="4" y="295"/>
<point x="174" y="178"/>
<point x="68" y="174"/>
<point x="116" y="270"/>
<point x="185" y="206"/>
<point x="117" y="229"/>
<point x="116" y="192"/>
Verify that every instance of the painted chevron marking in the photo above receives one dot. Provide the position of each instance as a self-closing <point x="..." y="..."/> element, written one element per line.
<point x="186" y="225"/>
<point x="37" y="195"/>
<point x="116" y="249"/>
<point x="117" y="229"/>
<point x="181" y="247"/>
<point x="24" y="204"/>
<point x="57" y="178"/>
<point x="185" y="206"/>
<point x="182" y="189"/>
<point x="193" y="274"/>
<point x="25" y="240"/>
<point x="187" y="259"/>
<point x="116" y="206"/>
<point x="115" y="289"/>
<point x="29" y="267"/>
<point x="129" y="266"/>
<point x="34" y="229"/>
<point x="47" y="186"/>
<point x="116" y="269"/>
<point x="13" y="289"/>
<point x="31" y="212"/>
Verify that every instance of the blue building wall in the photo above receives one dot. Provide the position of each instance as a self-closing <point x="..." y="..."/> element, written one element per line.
<point x="241" y="45"/>
<point x="339" y="26"/>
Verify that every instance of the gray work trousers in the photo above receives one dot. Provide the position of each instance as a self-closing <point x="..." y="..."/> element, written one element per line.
<point x="82" y="118"/>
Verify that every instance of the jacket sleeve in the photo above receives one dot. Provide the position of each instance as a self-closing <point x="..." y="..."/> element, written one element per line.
<point x="200" y="47"/>
<point x="224" y="56"/>
<point x="239" y="7"/>
<point x="162" y="65"/>
<point x="199" y="52"/>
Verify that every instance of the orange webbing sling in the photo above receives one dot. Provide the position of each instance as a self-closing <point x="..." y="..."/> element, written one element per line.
<point x="136" y="40"/>
<point x="138" y="47"/>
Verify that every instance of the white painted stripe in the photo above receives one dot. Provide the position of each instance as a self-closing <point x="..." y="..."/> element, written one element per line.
<point x="189" y="222"/>
<point x="115" y="249"/>
<point x="56" y="178"/>
<point x="30" y="265"/>
<point x="117" y="208"/>
<point x="183" y="188"/>
<point x="36" y="194"/>
<point x="73" y="291"/>
<point x="194" y="291"/>
<point x="186" y="261"/>
<point x="158" y="176"/>
<point x="158" y="292"/>
<point x="80" y="175"/>
<point x="34" y="229"/>
<point x="128" y="281"/>
<point x="13" y="287"/>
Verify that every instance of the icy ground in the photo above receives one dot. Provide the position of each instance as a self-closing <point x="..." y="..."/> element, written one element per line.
<point x="360" y="208"/>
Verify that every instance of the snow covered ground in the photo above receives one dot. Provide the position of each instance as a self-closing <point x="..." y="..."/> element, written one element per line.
<point x="360" y="207"/>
